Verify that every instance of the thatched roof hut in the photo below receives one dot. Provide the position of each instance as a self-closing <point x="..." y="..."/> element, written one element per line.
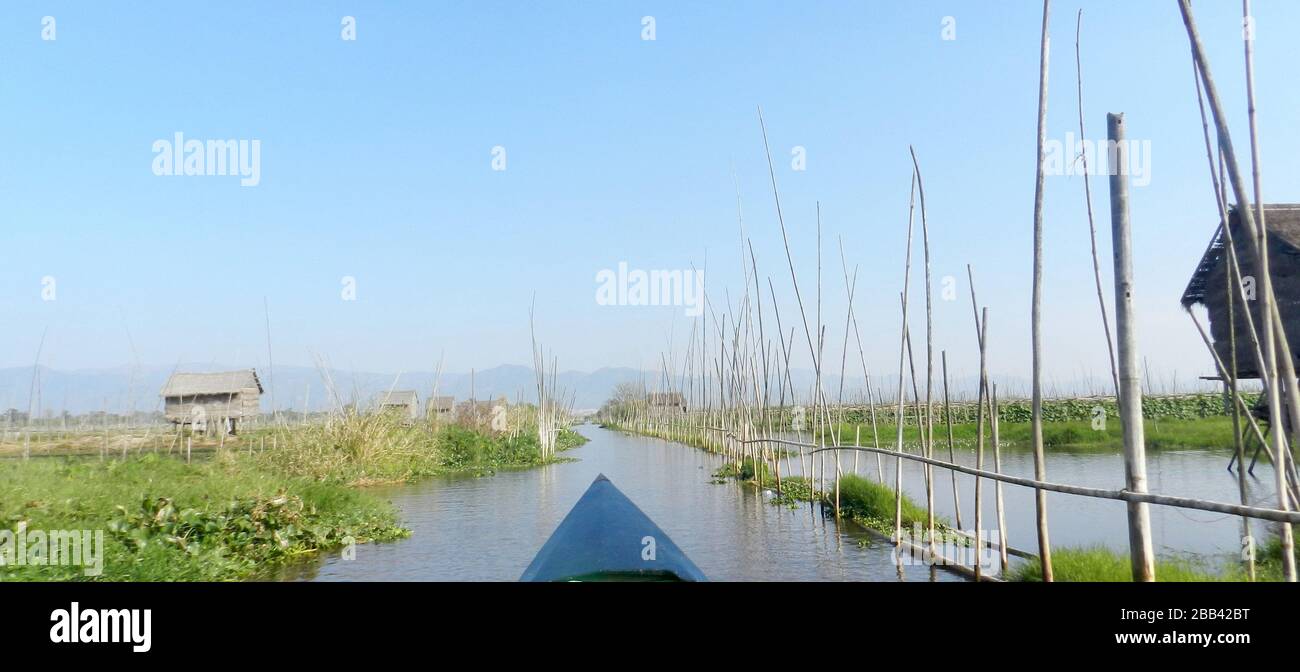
<point x="225" y="396"/>
<point x="1209" y="284"/>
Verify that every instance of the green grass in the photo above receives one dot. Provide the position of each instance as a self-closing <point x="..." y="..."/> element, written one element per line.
<point x="872" y="503"/>
<point x="1268" y="561"/>
<point x="1105" y="565"/>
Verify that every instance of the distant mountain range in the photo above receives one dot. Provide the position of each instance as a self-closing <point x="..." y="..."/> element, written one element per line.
<point x="123" y="388"/>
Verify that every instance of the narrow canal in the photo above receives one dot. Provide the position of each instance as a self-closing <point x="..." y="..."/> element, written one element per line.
<point x="488" y="529"/>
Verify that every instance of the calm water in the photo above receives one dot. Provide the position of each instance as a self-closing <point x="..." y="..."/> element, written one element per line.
<point x="488" y="529"/>
<point x="1201" y="536"/>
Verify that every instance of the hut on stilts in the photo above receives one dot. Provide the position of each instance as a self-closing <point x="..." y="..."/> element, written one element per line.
<point x="220" y="399"/>
<point x="1209" y="285"/>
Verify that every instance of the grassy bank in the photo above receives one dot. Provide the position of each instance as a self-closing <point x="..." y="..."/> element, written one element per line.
<point x="244" y="511"/>
<point x="1101" y="564"/>
<point x="1098" y="563"/>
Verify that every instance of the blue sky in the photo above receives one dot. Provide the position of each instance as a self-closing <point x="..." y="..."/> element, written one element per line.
<point x="376" y="164"/>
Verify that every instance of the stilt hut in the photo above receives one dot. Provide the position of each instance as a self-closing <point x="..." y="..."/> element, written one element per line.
<point x="439" y="408"/>
<point x="1209" y="284"/>
<point x="224" y="398"/>
<point x="404" y="403"/>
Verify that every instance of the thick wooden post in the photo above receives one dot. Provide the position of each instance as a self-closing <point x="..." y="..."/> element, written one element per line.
<point x="1130" y="392"/>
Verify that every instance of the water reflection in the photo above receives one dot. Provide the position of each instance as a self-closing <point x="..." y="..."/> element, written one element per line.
<point x="488" y="529"/>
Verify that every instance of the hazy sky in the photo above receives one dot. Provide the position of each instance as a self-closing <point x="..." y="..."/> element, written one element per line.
<point x="376" y="163"/>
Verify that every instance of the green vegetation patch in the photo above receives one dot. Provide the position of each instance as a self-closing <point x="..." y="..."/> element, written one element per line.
<point x="163" y="520"/>
<point x="1097" y="563"/>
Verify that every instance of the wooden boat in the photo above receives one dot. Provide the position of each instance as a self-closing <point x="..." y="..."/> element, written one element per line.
<point x="605" y="537"/>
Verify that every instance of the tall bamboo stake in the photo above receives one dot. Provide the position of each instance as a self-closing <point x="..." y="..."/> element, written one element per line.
<point x="1281" y="357"/>
<point x="1036" y="312"/>
<point x="979" y="444"/>
<point x="1130" y="397"/>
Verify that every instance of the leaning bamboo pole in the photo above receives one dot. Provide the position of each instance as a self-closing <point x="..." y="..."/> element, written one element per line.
<point x="1141" y="553"/>
<point x="929" y="354"/>
<point x="1241" y="403"/>
<point x="1265" y="281"/>
<point x="1087" y="196"/>
<point x="902" y="360"/>
<point x="1036" y="310"/>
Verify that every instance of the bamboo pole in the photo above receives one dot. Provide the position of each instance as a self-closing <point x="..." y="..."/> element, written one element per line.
<point x="902" y="360"/>
<point x="1247" y="536"/>
<point x="929" y="354"/>
<point x="979" y="442"/>
<point x="1265" y="280"/>
<point x="1036" y="311"/>
<point x="1130" y="398"/>
<point x="1087" y="195"/>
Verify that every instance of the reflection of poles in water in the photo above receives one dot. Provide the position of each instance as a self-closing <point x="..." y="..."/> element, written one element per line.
<point x="952" y="454"/>
<point x="997" y="467"/>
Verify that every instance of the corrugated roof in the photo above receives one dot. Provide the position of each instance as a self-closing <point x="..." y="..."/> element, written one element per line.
<point x="442" y="403"/>
<point x="1283" y="222"/>
<point x="222" y="382"/>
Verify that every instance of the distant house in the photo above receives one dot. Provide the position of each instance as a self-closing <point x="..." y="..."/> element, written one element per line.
<point x="404" y="403"/>
<point x="1209" y="284"/>
<point x="489" y="413"/>
<point x="667" y="401"/>
<point x="439" y="408"/>
<point x="225" y="398"/>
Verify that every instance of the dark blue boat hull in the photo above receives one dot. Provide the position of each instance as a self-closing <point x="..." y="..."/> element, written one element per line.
<point x="605" y="537"/>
